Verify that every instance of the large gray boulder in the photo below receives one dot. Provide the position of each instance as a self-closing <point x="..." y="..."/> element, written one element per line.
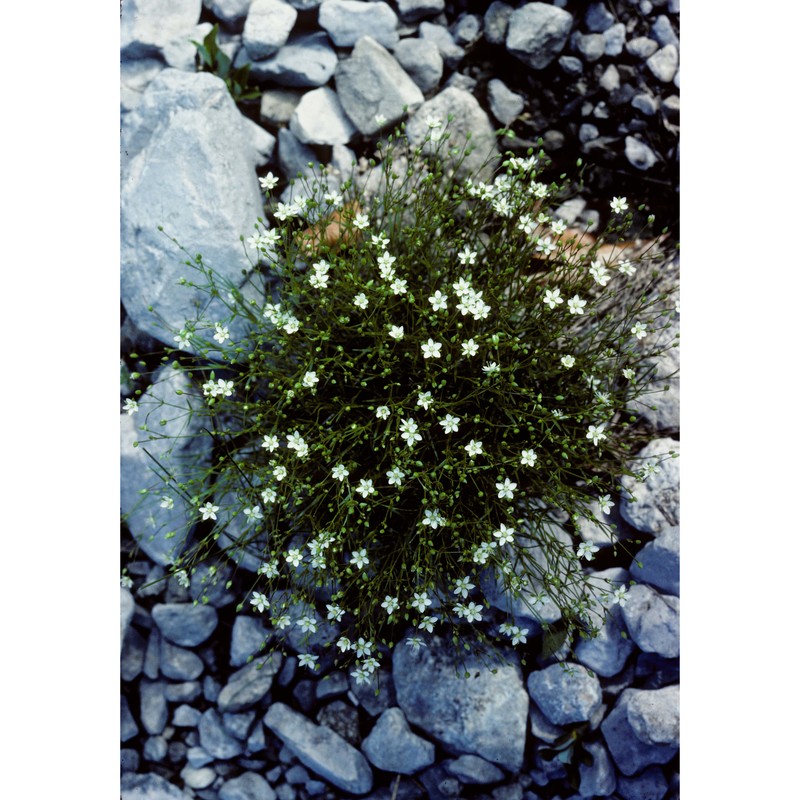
<point x="346" y="21"/>
<point x="188" y="165"/>
<point x="267" y="27"/>
<point x="565" y="693"/>
<point x="176" y="448"/>
<point x="537" y="33"/>
<point x="485" y="714"/>
<point x="146" y="26"/>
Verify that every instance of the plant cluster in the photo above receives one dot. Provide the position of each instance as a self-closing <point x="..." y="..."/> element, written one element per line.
<point x="428" y="380"/>
<point x="211" y="59"/>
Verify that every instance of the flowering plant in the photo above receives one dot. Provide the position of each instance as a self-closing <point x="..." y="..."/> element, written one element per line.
<point x="416" y="399"/>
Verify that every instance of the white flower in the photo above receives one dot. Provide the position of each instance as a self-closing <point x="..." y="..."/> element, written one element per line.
<point x="310" y="379"/>
<point x="528" y="458"/>
<point x="335" y="612"/>
<point x="639" y="330"/>
<point x="224" y="388"/>
<point x="467" y="256"/>
<point x="492" y="368"/>
<point x="438" y="301"/>
<point x="399" y="286"/>
<point x="504" y="535"/>
<point x="552" y="297"/>
<point x="599" y="272"/>
<point x="362" y="647"/>
<point x="343" y="643"/>
<point x="339" y="472"/>
<point x="126" y="582"/>
<point x="253" y="514"/>
<point x="359" y="558"/>
<point x="183" y="340"/>
<point x="259" y="601"/>
<point x="619" y="204"/>
<point x="575" y="305"/>
<point x="596" y="434"/>
<point x="620" y="596"/>
<point x="472" y="612"/>
<point x="391" y="604"/>
<point x="606" y="503"/>
<point x="568" y="361"/>
<point x="294" y="441"/>
<point x="505" y="489"/>
<point x="626" y="268"/>
<point x="650" y="469"/>
<point x="395" y="476"/>
<point x="269" y="495"/>
<point x="293" y="557"/>
<point x="361" y="676"/>
<point x="221" y="333"/>
<point x="269" y="569"/>
<point x="131" y="406"/>
<point x="365" y="487"/>
<point x="462" y="287"/>
<point x="629" y="374"/>
<point x="380" y="120"/>
<point x="361" y="300"/>
<point x="281" y="621"/>
<point x="421" y="601"/>
<point x="209" y="511"/>
<point x="268" y="182"/>
<point x="480" y="555"/>
<point x="450" y="423"/>
<point x="382" y="412"/>
<point x="433" y="122"/>
<point x="434" y="518"/>
<point x="414" y="642"/>
<point x="432" y="349"/>
<point x="558" y="226"/>
<point x="279" y="473"/>
<point x="474" y="448"/>
<point x="270" y="443"/>
<point x="469" y="348"/>
<point x="183" y="578"/>
<point x="462" y="586"/>
<point x="167" y="502"/>
<point x="409" y="430"/>
<point x="381" y="240"/>
<point x="396" y="331"/>
<point x="361" y="221"/>
<point x="587" y="550"/>
<point x="518" y="635"/>
<point x="426" y="623"/>
<point x="333" y="199"/>
<point x="545" y="246"/>
<point x="307" y="660"/>
<point x="425" y="400"/>
<point x="526" y="224"/>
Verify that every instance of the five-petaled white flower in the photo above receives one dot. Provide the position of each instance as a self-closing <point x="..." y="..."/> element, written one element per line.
<point x="310" y="379"/>
<point x="221" y="333"/>
<point x="606" y="503"/>
<point x="359" y="558"/>
<point x="340" y="472"/>
<point x="399" y="286"/>
<point x="425" y="400"/>
<point x="620" y="596"/>
<point x="434" y="518"/>
<point x="307" y="660"/>
<point x="599" y="272"/>
<point x="518" y="635"/>
<point x="294" y="441"/>
<point x="361" y="221"/>
<point x="433" y="122"/>
<point x="382" y="412"/>
<point x="596" y="434"/>
<point x="270" y="442"/>
<point x="409" y="430"/>
<point x="259" y="602"/>
<point x="343" y="643"/>
<point x="365" y="487"/>
<point x="628" y="373"/>
<point x="167" y="502"/>
<point x="552" y="297"/>
<point x="619" y="204"/>
<point x="626" y="268"/>
<point x="472" y="612"/>
<point x="426" y="623"/>
<point x="391" y="604"/>
<point x="421" y="601"/>
<point x="504" y="534"/>
<point x="279" y="472"/>
<point x="396" y="331"/>
<point x="575" y="305"/>
<point x="474" y="448"/>
<point x="587" y="550"/>
<point x="450" y="423"/>
<point x="293" y="557"/>
<point x="432" y="349"/>
<point x="381" y="240"/>
<point x="467" y="256"/>
<point x="333" y="199"/>
<point x="361" y="300"/>
<point x="505" y="489"/>
<point x="335" y="612"/>
<point x="469" y="348"/>
<point x="363" y="647"/>
<point x="131" y="406"/>
<point x="528" y="458"/>
<point x="568" y="361"/>
<point x="209" y="511"/>
<point x="639" y="330"/>
<point x="269" y="569"/>
<point x="183" y="340"/>
<point x="462" y="586"/>
<point x="268" y="182"/>
<point x="492" y="368"/>
<point x="414" y="642"/>
<point x="269" y="495"/>
<point x="361" y="676"/>
<point x="438" y="301"/>
<point x="395" y="476"/>
<point x="254" y="514"/>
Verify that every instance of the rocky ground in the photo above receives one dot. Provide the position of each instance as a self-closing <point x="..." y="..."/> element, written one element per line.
<point x="197" y="719"/>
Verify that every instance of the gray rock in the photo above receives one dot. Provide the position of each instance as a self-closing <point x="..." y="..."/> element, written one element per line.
<point x="296" y="775"/>
<point x="565" y="692"/>
<point x="473" y="769"/>
<point x="294" y="158"/>
<point x="372" y="83"/>
<point x="185" y="716"/>
<point x="250" y="684"/>
<point x="181" y="52"/>
<point x="132" y="657"/>
<point x="541" y="727"/>
<point x="653" y="620"/>
<point x="134" y="79"/>
<point x="346" y="21"/>
<point x="155" y="748"/>
<point x="277" y="105"/>
<point x="128" y="759"/>
<point x="598" y="18"/>
<point x="607" y="653"/>
<point x="152" y="656"/>
<point x="571" y="65"/>
<point x="654" y="715"/>
<point x="208" y="585"/>
<point x="639" y="154"/>
<point x="485" y="714"/>
<point x="664" y="63"/>
<point x="198" y="757"/>
<point x="238" y="725"/>
<point x="267" y="27"/>
<point x="305" y="60"/>
<point x="647" y="104"/>
<point x="127" y="724"/>
<point x="262" y="140"/>
<point x="198" y="778"/>
<point x="248" y="637"/>
<point x="185" y="624"/>
<point x="183" y="692"/>
<point x="650" y="784"/>
<point x="630" y="754"/>
<point x="505" y="104"/>
<point x="333" y="684"/>
<point x="598" y="779"/>
<point x="413" y="10"/>
<point x="450" y="52"/>
<point x="663" y="32"/>
<point x="342" y="718"/>
<point x="230" y="11"/>
<point x="126" y="604"/>
<point x="591" y="46"/>
<point x="391" y="745"/>
<point x="495" y="22"/>
<point x="609" y="80"/>
<point x="146" y="26"/>
<point x="657" y="505"/>
<point x="152" y="707"/>
<point x="587" y="132"/>
<point x="162" y="533"/>
<point x="614" y="40"/>
<point x="641" y="47"/>
<point x="421" y="59"/>
<point x="149" y="786"/>
<point x="439" y="784"/>
<point x="468" y="117"/>
<point x="214" y="739"/>
<point x="304" y="5"/>
<point x="537" y="33"/>
<point x="672" y="107"/>
<point x="320" y="749"/>
<point x="183" y="119"/>
<point x="247" y="786"/>
<point x="467" y="30"/>
<point x="364" y="694"/>
<point x="179" y="664"/>
<point x="320" y="119"/>
<point x="660" y="562"/>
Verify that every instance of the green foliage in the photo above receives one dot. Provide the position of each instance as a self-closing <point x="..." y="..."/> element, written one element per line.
<point x="211" y="59"/>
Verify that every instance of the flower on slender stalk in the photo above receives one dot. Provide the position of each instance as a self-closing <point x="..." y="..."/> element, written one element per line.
<point x="606" y="504"/>
<point x="396" y="332"/>
<point x="270" y="443"/>
<point x="434" y="518"/>
<point x="310" y="379"/>
<point x="463" y="586"/>
<point x="365" y="487"/>
<point x="587" y="550"/>
<point x="259" y="602"/>
<point x="391" y="604"/>
<point x="343" y="643"/>
<point x="469" y="348"/>
<point x="427" y="623"/>
<point x="595" y="433"/>
<point x="474" y="448"/>
<point x="167" y="502"/>
<point x="307" y="624"/>
<point x="414" y="642"/>
<point x="438" y="301"/>
<point x="639" y="330"/>
<point x="293" y="557"/>
<point x="382" y="412"/>
<point x="450" y="423"/>
<point x="568" y="361"/>
<point x="395" y="476"/>
<point x="268" y="182"/>
<point x="359" y="558"/>
<point x="409" y="430"/>
<point x="307" y="660"/>
<point x="361" y="300"/>
<point x="504" y="535"/>
<point x="209" y="511"/>
<point x="505" y="489"/>
<point x="528" y="458"/>
<point x="421" y="601"/>
<point x="340" y="472"/>
<point x="253" y="514"/>
<point x="576" y="305"/>
<point x="432" y="349"/>
<point x="131" y="406"/>
<point x="221" y="334"/>
<point x="619" y="204"/>
<point x="552" y="297"/>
